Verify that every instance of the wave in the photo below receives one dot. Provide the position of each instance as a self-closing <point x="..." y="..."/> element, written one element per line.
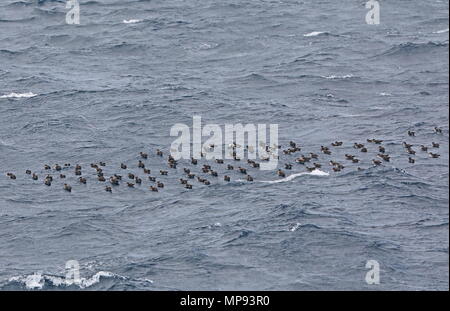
<point x="38" y="280"/>
<point x="316" y="172"/>
<point x="410" y="48"/>
<point x="19" y="95"/>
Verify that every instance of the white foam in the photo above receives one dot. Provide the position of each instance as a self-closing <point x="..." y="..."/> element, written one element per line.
<point x="295" y="227"/>
<point x="316" y="172"/>
<point x="441" y="31"/>
<point x="338" y="77"/>
<point x="132" y="21"/>
<point x="385" y="94"/>
<point x="313" y="34"/>
<point x="37" y="280"/>
<point x="19" y="95"/>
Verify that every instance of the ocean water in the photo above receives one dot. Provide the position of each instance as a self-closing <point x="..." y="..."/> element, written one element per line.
<point x="114" y="85"/>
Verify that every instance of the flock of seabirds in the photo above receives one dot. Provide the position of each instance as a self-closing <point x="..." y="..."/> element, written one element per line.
<point x="310" y="162"/>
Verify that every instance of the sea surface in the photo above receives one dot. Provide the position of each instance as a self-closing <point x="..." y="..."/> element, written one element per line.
<point x="114" y="85"/>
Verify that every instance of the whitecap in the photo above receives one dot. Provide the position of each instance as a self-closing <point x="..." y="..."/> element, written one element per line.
<point x="441" y="31"/>
<point x="338" y="77"/>
<point x="316" y="172"/>
<point x="313" y="34"/>
<point x="295" y="227"/>
<point x="132" y="21"/>
<point x="385" y="94"/>
<point x="33" y="281"/>
<point x="38" y="280"/>
<point x="19" y="95"/>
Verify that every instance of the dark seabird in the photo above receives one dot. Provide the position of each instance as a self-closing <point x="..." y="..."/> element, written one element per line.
<point x="411" y="133"/>
<point x="337" y="143"/>
<point x="143" y="155"/>
<point x="108" y="189"/>
<point x="411" y="160"/>
<point x="313" y="155"/>
<point x="67" y="188"/>
<point x="349" y="156"/>
<point x="435" y="145"/>
<point x="114" y="180"/>
<point x="407" y="146"/>
<point x="226" y="178"/>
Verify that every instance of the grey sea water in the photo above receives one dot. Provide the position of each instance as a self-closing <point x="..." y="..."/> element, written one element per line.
<point x="114" y="85"/>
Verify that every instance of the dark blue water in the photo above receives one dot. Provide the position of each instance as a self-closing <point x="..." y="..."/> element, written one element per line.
<point x="106" y="90"/>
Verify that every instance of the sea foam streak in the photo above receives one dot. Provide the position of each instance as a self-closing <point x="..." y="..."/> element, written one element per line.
<point x="316" y="172"/>
<point x="19" y="95"/>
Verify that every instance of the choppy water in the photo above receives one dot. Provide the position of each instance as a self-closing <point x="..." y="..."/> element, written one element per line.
<point x="114" y="85"/>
